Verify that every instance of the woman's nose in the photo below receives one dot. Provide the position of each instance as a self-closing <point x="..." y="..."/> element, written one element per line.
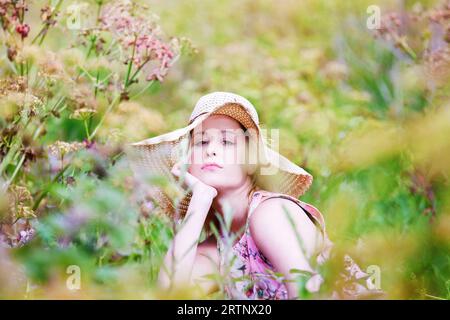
<point x="211" y="149"/>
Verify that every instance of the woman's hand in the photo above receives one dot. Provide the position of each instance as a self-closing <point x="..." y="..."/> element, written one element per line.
<point x="192" y="182"/>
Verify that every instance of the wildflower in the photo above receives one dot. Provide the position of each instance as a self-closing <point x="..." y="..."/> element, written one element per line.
<point x="31" y="153"/>
<point x="11" y="53"/>
<point x="353" y="271"/>
<point x="51" y="67"/>
<point x="187" y="46"/>
<point x="31" y="104"/>
<point x="17" y="84"/>
<point x="46" y="13"/>
<point x="24" y="212"/>
<point x="25" y="236"/>
<point x="140" y="37"/>
<point x="395" y="26"/>
<point x="83" y="113"/>
<point x="89" y="144"/>
<point x="19" y="200"/>
<point x="23" y="30"/>
<point x="10" y="13"/>
<point x="61" y="148"/>
<point x="146" y="208"/>
<point x="20" y="194"/>
<point x="125" y="19"/>
<point x="437" y="65"/>
<point x="82" y="98"/>
<point x="48" y="16"/>
<point x="390" y="27"/>
<point x="440" y="14"/>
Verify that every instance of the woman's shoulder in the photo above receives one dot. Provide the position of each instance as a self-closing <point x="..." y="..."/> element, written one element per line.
<point x="310" y="211"/>
<point x="278" y="198"/>
<point x="269" y="204"/>
<point x="277" y="217"/>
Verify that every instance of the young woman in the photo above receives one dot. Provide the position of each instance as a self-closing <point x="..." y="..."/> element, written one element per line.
<point x="273" y="233"/>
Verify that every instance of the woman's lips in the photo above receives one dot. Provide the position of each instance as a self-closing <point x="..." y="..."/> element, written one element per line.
<point x="211" y="166"/>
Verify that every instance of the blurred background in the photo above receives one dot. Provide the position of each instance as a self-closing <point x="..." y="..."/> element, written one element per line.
<point x="359" y="91"/>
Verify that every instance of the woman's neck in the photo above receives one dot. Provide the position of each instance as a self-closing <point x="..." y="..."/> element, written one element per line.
<point x="237" y="201"/>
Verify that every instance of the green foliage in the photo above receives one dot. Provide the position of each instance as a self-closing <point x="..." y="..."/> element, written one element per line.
<point x="364" y="113"/>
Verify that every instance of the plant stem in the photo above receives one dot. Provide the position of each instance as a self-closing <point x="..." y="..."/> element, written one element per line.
<point x="47" y="189"/>
<point x="117" y="98"/>
<point x="100" y="3"/>
<point x="407" y="48"/>
<point x="46" y="26"/>
<point x="90" y="47"/>
<point x="434" y="297"/>
<point x="13" y="149"/>
<point x="138" y="69"/>
<point x="111" y="105"/>
<point x="19" y="165"/>
<point x="143" y="90"/>
<point x="96" y="84"/>
<point x="87" y="130"/>
<point x="130" y="65"/>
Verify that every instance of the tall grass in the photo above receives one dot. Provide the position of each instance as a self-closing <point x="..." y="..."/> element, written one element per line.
<point x="366" y="112"/>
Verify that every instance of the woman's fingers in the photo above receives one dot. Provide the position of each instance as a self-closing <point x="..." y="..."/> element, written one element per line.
<point x="191" y="180"/>
<point x="176" y="171"/>
<point x="188" y="179"/>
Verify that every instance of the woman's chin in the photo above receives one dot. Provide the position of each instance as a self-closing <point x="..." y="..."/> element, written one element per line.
<point x="215" y="182"/>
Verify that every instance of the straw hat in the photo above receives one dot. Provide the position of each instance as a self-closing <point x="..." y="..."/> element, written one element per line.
<point x="155" y="157"/>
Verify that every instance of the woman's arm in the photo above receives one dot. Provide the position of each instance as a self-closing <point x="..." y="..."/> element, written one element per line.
<point x="180" y="258"/>
<point x="288" y="238"/>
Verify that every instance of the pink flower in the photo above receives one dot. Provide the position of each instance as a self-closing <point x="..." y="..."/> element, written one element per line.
<point x="10" y="11"/>
<point x="129" y="24"/>
<point x="23" y="30"/>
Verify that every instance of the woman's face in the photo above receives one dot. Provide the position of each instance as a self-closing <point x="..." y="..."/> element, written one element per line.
<point x="217" y="153"/>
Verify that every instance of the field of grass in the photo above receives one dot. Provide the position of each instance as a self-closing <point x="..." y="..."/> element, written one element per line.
<point x="366" y="112"/>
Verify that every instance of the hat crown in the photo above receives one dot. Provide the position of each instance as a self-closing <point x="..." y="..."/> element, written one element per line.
<point x="212" y="101"/>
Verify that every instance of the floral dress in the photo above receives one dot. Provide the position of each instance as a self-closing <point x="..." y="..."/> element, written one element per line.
<point x="249" y="274"/>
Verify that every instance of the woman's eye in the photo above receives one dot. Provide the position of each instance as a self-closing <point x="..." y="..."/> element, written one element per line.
<point x="228" y="142"/>
<point x="203" y="142"/>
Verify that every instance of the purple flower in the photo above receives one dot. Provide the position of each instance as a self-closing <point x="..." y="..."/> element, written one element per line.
<point x="25" y="236"/>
